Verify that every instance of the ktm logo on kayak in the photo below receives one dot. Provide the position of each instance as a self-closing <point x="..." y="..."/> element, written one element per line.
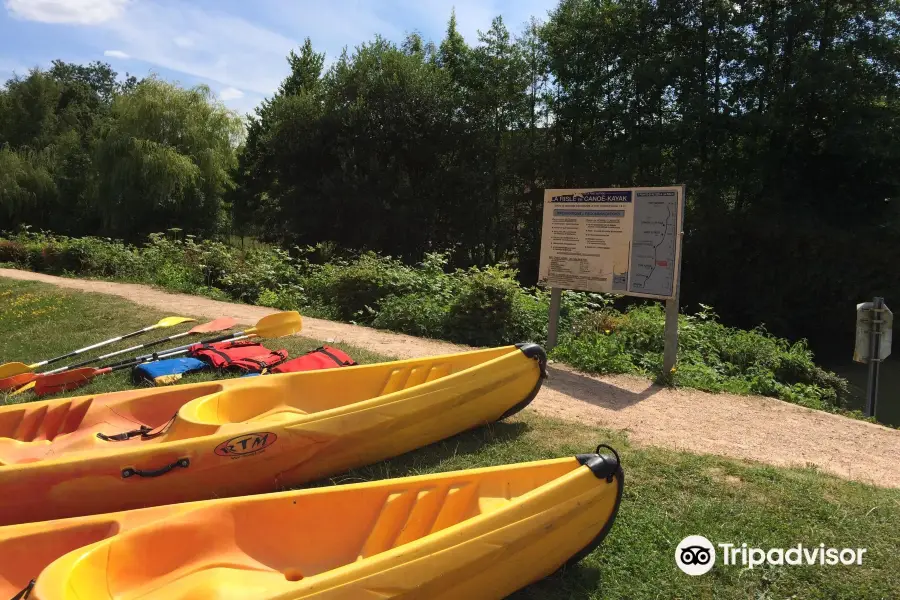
<point x="247" y="444"/>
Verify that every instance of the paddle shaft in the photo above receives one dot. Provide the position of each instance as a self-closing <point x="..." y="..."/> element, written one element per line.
<point x="221" y="338"/>
<point x="118" y="352"/>
<point x="93" y="347"/>
<point x="49" y="384"/>
<point x="131" y="362"/>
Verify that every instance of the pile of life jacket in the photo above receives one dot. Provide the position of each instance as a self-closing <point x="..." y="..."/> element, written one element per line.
<point x="245" y="356"/>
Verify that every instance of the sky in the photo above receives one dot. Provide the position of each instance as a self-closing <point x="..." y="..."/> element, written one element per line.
<point x="236" y="47"/>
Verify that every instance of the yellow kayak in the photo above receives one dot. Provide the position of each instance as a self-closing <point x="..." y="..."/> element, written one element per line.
<point x="139" y="448"/>
<point x="481" y="533"/>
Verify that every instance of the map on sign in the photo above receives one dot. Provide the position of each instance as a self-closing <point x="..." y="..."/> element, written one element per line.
<point x="654" y="243"/>
<point x="622" y="240"/>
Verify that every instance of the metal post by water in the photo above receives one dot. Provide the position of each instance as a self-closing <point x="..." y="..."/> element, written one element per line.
<point x="553" y="325"/>
<point x="874" y="359"/>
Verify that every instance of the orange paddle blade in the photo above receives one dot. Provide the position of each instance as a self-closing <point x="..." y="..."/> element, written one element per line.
<point x="16" y="381"/>
<point x="220" y="324"/>
<point x="67" y="380"/>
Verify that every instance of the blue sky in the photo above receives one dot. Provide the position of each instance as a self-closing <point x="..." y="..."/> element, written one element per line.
<point x="236" y="47"/>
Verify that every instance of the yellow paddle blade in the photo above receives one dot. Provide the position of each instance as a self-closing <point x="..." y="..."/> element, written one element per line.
<point x="277" y="325"/>
<point x="14" y="368"/>
<point x="24" y="388"/>
<point x="172" y="321"/>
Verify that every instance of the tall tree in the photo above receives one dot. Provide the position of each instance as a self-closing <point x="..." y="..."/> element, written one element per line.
<point x="164" y="157"/>
<point x="254" y="169"/>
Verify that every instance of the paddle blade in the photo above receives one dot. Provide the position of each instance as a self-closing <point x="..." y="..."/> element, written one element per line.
<point x="277" y="325"/>
<point x="11" y="383"/>
<point x="24" y="388"/>
<point x="13" y="368"/>
<point x="67" y="380"/>
<point x="217" y="325"/>
<point x="172" y="321"/>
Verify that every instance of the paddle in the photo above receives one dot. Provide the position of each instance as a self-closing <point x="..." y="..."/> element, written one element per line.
<point x="70" y="380"/>
<point x="271" y="326"/>
<point x="25" y="378"/>
<point x="217" y="325"/>
<point x="16" y="368"/>
<point x="17" y="381"/>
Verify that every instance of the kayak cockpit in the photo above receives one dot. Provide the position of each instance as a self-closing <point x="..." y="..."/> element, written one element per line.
<point x="263" y="546"/>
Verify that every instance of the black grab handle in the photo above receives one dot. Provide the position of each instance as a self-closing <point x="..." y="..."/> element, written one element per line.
<point x="184" y="463"/>
<point x="26" y="592"/>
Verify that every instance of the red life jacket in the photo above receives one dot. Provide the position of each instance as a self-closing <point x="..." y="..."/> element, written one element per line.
<point x="244" y="355"/>
<point x="325" y="357"/>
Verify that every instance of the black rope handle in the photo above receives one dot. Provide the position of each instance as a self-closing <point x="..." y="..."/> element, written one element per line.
<point x="143" y="431"/>
<point x="127" y="472"/>
<point x="611" y="449"/>
<point x="616" y="454"/>
<point x="127" y="435"/>
<point x="26" y="592"/>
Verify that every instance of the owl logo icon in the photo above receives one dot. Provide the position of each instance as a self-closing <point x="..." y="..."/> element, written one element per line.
<point x="695" y="555"/>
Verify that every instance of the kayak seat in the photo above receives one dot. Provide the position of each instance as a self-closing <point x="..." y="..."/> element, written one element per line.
<point x="241" y="405"/>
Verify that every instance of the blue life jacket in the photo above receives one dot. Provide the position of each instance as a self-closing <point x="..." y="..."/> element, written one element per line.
<point x="166" y="371"/>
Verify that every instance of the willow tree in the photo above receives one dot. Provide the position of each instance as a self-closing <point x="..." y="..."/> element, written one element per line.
<point x="164" y="158"/>
<point x="48" y="121"/>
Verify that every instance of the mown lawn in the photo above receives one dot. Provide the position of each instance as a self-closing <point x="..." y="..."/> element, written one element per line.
<point x="668" y="495"/>
<point x="39" y="321"/>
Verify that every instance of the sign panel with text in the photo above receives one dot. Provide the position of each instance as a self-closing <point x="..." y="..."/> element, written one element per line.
<point x="614" y="240"/>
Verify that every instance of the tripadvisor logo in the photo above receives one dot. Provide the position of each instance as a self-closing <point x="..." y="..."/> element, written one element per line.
<point x="696" y="555"/>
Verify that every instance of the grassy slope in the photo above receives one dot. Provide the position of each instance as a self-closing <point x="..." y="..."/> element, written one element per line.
<point x="668" y="495"/>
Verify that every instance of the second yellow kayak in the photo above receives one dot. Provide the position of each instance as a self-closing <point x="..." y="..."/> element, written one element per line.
<point x="476" y="534"/>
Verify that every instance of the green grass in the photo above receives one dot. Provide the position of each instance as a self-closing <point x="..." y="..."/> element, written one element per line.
<point x="38" y="321"/>
<point x="668" y="495"/>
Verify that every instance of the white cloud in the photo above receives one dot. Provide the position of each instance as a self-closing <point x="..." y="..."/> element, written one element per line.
<point x="80" y="12"/>
<point x="231" y="93"/>
<point x="244" y="58"/>
<point x="245" y="104"/>
<point x="209" y="45"/>
<point x="183" y="41"/>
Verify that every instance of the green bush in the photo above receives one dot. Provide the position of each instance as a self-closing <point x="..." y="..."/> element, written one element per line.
<point x="353" y="291"/>
<point x="13" y="252"/>
<point x="482" y="312"/>
<point x="596" y="353"/>
<point x="284" y="297"/>
<point x="419" y="314"/>
<point x="711" y="356"/>
<point x="477" y="306"/>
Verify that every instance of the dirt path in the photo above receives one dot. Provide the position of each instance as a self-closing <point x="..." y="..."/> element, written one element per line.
<point x="747" y="427"/>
